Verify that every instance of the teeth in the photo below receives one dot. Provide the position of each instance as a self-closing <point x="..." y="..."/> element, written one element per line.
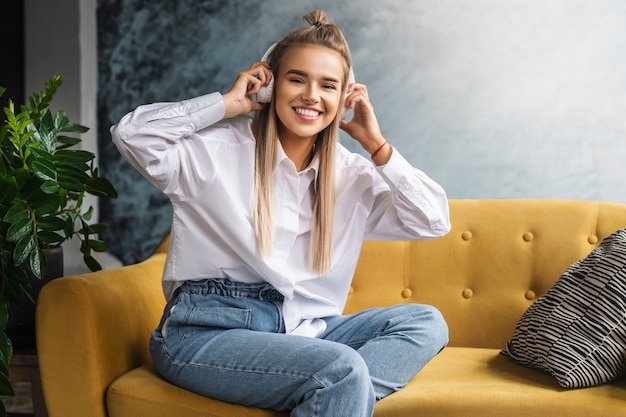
<point x="307" y="112"/>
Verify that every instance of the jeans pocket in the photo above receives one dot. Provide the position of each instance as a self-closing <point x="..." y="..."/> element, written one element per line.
<point x="187" y="318"/>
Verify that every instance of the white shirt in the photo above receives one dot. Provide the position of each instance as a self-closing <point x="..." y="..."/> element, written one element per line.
<point x="205" y="165"/>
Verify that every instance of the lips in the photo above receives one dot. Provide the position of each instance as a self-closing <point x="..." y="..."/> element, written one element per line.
<point x="307" y="112"/>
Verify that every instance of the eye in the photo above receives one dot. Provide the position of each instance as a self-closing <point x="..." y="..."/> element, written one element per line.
<point x="296" y="80"/>
<point x="329" y="86"/>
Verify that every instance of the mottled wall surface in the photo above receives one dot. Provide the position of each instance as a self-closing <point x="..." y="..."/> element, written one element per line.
<point x="515" y="99"/>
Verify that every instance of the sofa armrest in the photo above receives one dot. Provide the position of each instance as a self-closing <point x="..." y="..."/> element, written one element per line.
<point x="93" y="328"/>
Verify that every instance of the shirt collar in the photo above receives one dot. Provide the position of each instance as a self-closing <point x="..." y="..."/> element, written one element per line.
<point x="282" y="158"/>
<point x="310" y="172"/>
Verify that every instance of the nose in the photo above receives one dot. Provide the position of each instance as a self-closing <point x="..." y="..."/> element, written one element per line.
<point x="311" y="93"/>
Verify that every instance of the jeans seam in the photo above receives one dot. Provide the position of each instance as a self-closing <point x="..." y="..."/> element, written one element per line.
<point x="315" y="399"/>
<point x="280" y="321"/>
<point x="248" y="317"/>
<point x="181" y="329"/>
<point x="298" y="376"/>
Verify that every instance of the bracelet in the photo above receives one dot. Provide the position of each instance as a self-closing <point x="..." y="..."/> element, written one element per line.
<point x="373" y="155"/>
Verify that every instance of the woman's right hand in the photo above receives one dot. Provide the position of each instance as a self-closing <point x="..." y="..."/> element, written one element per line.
<point x="239" y="99"/>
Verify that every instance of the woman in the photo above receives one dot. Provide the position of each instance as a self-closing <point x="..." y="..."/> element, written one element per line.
<point x="269" y="217"/>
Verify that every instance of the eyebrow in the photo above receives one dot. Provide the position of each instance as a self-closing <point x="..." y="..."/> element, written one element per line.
<point x="304" y="74"/>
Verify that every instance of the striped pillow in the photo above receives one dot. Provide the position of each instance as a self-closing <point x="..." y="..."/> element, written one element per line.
<point x="577" y="330"/>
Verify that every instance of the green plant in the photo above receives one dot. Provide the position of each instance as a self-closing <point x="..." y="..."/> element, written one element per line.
<point x="43" y="182"/>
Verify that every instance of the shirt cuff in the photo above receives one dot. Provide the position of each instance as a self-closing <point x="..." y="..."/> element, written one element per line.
<point x="395" y="169"/>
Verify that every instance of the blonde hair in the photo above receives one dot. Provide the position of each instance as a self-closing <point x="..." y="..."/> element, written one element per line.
<point x="265" y="129"/>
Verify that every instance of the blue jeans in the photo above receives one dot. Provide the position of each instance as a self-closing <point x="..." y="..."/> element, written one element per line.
<point x="226" y="340"/>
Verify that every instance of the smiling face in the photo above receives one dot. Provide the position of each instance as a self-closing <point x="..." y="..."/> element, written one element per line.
<point x="307" y="91"/>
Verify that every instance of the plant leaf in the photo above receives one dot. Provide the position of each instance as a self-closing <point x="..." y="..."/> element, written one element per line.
<point x="14" y="292"/>
<point x="20" y="229"/>
<point x="74" y="166"/>
<point x="66" y="141"/>
<point x="88" y="214"/>
<point x="92" y="229"/>
<point x="98" y="245"/>
<point x="47" y="131"/>
<point x="71" y="178"/>
<point x="50" y="223"/>
<point x="38" y="263"/>
<point x="3" y="170"/>
<point x="49" y="238"/>
<point x="6" y="348"/>
<point x="23" y="249"/>
<point x="4" y="316"/>
<point x="70" y="157"/>
<point x="63" y="124"/>
<point x="8" y="189"/>
<point x="42" y="203"/>
<point x="21" y="177"/>
<point x="74" y="128"/>
<point x="101" y="187"/>
<point x="49" y="187"/>
<point x="31" y="137"/>
<point x="6" y="353"/>
<point x="61" y="119"/>
<point x="44" y="169"/>
<point x="92" y="263"/>
<point x="16" y="275"/>
<point x="17" y="212"/>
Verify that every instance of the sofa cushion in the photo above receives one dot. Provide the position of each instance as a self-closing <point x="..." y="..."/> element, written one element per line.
<point x="577" y="330"/>
<point x="459" y="382"/>
<point x="142" y="392"/>
<point x="475" y="382"/>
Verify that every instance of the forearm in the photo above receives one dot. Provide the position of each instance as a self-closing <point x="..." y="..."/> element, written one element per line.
<point x="412" y="206"/>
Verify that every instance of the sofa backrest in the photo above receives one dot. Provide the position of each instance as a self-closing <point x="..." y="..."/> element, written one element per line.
<point x="498" y="258"/>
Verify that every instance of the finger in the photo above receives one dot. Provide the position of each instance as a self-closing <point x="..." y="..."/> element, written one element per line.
<point x="252" y="80"/>
<point x="346" y="127"/>
<point x="262" y="71"/>
<point x="353" y="98"/>
<point x="256" y="106"/>
<point x="356" y="90"/>
<point x="362" y="89"/>
<point x="253" y="85"/>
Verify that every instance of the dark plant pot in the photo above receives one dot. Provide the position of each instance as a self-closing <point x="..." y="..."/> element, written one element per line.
<point x="21" y="324"/>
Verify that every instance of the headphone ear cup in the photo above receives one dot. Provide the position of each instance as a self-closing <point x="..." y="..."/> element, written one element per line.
<point x="265" y="93"/>
<point x="344" y="112"/>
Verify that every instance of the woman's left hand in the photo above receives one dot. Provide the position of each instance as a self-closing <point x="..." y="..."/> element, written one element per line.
<point x="364" y="126"/>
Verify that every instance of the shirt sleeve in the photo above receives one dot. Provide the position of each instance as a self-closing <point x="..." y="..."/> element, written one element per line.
<point x="157" y="140"/>
<point x="408" y="204"/>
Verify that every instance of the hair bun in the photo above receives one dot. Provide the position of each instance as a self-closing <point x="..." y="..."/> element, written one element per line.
<point x="317" y="18"/>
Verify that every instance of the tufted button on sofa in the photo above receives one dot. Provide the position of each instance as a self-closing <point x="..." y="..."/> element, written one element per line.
<point x="499" y="257"/>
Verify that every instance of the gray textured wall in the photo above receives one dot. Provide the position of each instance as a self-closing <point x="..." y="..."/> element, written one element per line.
<point x="494" y="99"/>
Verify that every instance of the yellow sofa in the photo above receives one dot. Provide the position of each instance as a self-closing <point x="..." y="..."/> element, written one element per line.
<point x="500" y="255"/>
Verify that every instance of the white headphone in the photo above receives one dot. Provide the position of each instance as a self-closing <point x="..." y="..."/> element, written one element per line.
<point x="265" y="93"/>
